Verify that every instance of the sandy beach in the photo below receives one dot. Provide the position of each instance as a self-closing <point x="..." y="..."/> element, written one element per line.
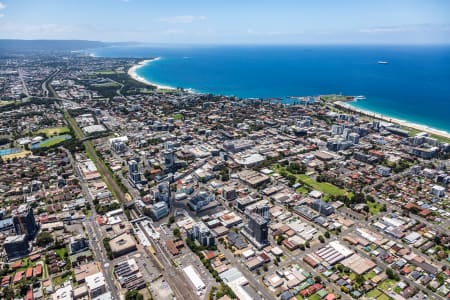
<point x="394" y="120"/>
<point x="133" y="74"/>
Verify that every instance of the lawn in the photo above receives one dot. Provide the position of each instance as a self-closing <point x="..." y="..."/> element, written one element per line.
<point x="388" y="283"/>
<point x="105" y="85"/>
<point x="61" y="252"/>
<point x="324" y="187"/>
<point x="178" y="116"/>
<point x="373" y="294"/>
<point x="314" y="297"/>
<point x="108" y="72"/>
<point x="53" y="141"/>
<point x="383" y="297"/>
<point x="49" y="132"/>
<point x="302" y="190"/>
<point x="57" y="281"/>
<point x="374" y="207"/>
<point x="369" y="275"/>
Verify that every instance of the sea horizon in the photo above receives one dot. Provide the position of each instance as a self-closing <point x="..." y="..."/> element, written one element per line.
<point x="413" y="86"/>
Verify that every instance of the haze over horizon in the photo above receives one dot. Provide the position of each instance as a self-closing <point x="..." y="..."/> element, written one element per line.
<point x="233" y="22"/>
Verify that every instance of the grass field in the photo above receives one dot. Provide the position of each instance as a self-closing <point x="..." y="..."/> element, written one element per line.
<point x="53" y="141"/>
<point x="108" y="72"/>
<point x="324" y="187"/>
<point x="54" y="131"/>
<point x="105" y="85"/>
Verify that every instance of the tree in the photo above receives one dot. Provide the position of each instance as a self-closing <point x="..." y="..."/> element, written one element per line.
<point x="327" y="234"/>
<point x="171" y="220"/>
<point x="8" y="293"/>
<point x="44" y="238"/>
<point x="280" y="239"/>
<point x="133" y="295"/>
<point x="360" y="279"/>
<point x="392" y="275"/>
<point x="176" y="232"/>
<point x="317" y="279"/>
<point x="321" y="239"/>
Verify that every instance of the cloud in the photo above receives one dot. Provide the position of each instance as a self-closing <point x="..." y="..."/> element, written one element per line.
<point x="426" y="27"/>
<point x="252" y="32"/>
<point x="2" y="5"/>
<point x="182" y="19"/>
<point x="383" y="29"/>
<point x="173" y="31"/>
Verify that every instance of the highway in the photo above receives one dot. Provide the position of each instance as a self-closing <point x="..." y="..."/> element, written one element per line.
<point x="24" y="85"/>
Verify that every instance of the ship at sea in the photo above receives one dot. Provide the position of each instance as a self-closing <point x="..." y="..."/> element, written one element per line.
<point x="383" y="62"/>
<point x="359" y="97"/>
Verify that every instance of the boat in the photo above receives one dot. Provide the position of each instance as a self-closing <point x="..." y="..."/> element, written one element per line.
<point x="383" y="62"/>
<point x="360" y="97"/>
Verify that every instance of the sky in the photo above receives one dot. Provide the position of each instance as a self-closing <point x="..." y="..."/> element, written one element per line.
<point x="230" y="21"/>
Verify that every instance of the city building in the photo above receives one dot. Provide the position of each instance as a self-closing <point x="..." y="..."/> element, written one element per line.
<point x="159" y="210"/>
<point x="77" y="244"/>
<point x="383" y="171"/>
<point x="24" y="221"/>
<point x="322" y="207"/>
<point x="202" y="234"/>
<point x="134" y="176"/>
<point x="122" y="244"/>
<point x="201" y="201"/>
<point x="96" y="284"/>
<point x="438" y="191"/>
<point x="257" y="230"/>
<point x="229" y="193"/>
<point x="16" y="246"/>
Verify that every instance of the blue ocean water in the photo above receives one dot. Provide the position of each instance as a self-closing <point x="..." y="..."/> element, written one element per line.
<point x="414" y="86"/>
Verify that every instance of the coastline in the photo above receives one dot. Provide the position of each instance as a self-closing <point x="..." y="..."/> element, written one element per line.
<point x="404" y="123"/>
<point x="132" y="72"/>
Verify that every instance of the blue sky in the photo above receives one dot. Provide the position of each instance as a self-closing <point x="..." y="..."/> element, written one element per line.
<point x="230" y="21"/>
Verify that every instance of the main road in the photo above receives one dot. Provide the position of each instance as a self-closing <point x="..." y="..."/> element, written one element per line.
<point x="94" y="234"/>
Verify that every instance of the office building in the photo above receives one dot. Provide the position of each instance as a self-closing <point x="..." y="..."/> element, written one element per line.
<point x="16" y="246"/>
<point x="133" y="173"/>
<point x="322" y="207"/>
<point x="96" y="284"/>
<point x="202" y="234"/>
<point x="24" y="221"/>
<point x="257" y="231"/>
<point x="78" y="244"/>
<point x="163" y="193"/>
<point x="159" y="210"/>
<point x="201" y="201"/>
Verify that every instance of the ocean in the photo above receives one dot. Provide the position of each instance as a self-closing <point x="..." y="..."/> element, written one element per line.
<point x="414" y="86"/>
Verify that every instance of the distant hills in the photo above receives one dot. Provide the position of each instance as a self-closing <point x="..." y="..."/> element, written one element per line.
<point x="12" y="45"/>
